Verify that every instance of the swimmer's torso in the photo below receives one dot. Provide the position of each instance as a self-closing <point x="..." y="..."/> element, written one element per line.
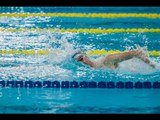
<point x="103" y="62"/>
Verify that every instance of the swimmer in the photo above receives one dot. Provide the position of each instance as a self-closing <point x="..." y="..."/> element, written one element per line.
<point x="112" y="60"/>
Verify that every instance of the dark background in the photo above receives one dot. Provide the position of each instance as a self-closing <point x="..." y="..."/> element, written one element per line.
<point x="80" y="3"/>
<point x="89" y="3"/>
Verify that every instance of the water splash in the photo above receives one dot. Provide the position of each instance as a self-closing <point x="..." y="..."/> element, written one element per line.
<point x="61" y="53"/>
<point x="136" y="66"/>
<point x="59" y="64"/>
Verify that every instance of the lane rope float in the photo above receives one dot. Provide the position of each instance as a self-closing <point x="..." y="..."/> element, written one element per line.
<point x="84" y="15"/>
<point x="80" y="84"/>
<point x="89" y="52"/>
<point x="84" y="30"/>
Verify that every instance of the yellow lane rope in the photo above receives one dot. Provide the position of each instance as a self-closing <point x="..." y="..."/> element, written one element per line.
<point x="83" y="30"/>
<point x="90" y="52"/>
<point x="84" y="15"/>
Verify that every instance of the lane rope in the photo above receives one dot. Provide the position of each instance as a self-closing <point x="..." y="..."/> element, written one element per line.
<point x="84" y="30"/>
<point x="80" y="84"/>
<point x="90" y="52"/>
<point x="84" y="15"/>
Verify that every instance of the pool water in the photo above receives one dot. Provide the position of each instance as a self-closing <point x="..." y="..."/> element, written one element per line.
<point x="61" y="67"/>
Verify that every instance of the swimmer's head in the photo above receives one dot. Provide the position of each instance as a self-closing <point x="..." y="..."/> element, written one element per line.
<point x="82" y="57"/>
<point x="79" y="56"/>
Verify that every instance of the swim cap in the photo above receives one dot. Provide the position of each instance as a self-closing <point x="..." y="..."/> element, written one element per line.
<point x="78" y="55"/>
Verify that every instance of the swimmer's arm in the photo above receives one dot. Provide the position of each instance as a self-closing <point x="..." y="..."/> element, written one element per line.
<point x="146" y="60"/>
<point x="91" y="64"/>
<point x="119" y="57"/>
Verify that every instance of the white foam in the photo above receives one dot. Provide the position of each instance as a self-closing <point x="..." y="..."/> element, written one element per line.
<point x="30" y="71"/>
<point x="135" y="66"/>
<point x="62" y="53"/>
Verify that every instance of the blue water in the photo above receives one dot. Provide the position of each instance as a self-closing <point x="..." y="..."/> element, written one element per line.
<point x="61" y="67"/>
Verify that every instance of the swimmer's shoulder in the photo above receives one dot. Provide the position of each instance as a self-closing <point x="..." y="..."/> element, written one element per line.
<point x="100" y="61"/>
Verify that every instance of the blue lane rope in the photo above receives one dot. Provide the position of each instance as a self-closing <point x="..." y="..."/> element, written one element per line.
<point x="80" y="84"/>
